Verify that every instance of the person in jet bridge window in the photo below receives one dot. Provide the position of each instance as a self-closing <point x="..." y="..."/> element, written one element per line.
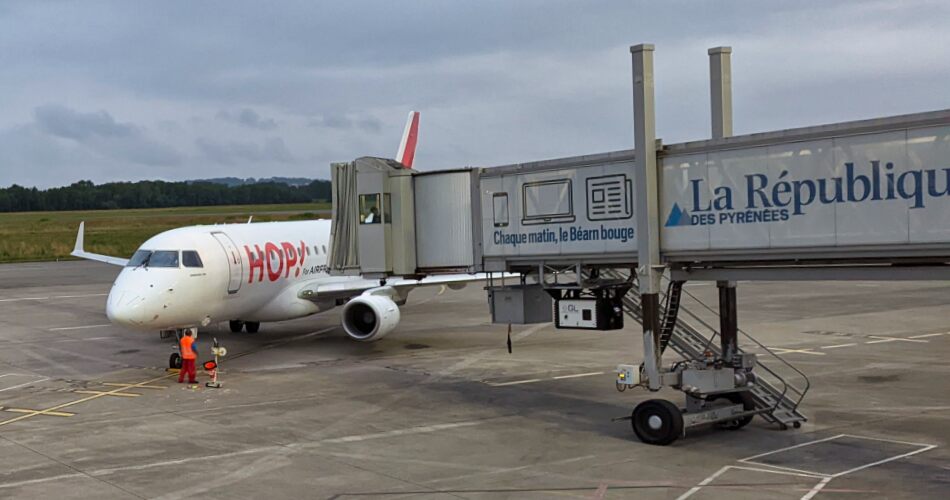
<point x="188" y="357"/>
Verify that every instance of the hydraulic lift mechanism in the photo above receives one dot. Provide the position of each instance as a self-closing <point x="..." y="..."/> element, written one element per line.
<point x="602" y="237"/>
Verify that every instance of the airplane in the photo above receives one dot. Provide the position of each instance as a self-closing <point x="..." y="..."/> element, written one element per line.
<point x="246" y="274"/>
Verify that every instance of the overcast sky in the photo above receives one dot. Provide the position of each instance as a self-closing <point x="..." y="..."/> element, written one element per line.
<point x="177" y="90"/>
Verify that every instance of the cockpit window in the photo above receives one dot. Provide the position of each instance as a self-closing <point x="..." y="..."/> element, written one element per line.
<point x="190" y="258"/>
<point x="164" y="258"/>
<point x="139" y="259"/>
<point x="157" y="258"/>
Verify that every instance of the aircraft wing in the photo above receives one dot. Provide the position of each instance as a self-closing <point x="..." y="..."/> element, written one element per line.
<point x="78" y="250"/>
<point x="349" y="287"/>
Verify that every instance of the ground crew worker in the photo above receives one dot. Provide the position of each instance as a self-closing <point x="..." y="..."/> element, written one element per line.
<point x="188" y="357"/>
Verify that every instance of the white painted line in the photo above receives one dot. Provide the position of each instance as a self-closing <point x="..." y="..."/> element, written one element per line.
<point x="578" y="375"/>
<point x="704" y="482"/>
<point x="62" y="329"/>
<point x="24" y="298"/>
<point x="925" y="336"/>
<point x="708" y="480"/>
<point x="24" y="384"/>
<point x="18" y="299"/>
<point x="884" y="461"/>
<point x="799" y="474"/>
<point x="837" y="346"/>
<point x="40" y="480"/>
<point x="806" y="350"/>
<point x="516" y="382"/>
<point x="908" y="443"/>
<point x="882" y="339"/>
<point x="13" y="375"/>
<point x="791" y="448"/>
<point x="401" y="432"/>
<point x="815" y="489"/>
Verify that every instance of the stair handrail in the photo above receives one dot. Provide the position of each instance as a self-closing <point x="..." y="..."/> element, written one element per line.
<point x="800" y="391"/>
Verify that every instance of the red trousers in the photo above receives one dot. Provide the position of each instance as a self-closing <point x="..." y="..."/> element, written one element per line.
<point x="187" y="366"/>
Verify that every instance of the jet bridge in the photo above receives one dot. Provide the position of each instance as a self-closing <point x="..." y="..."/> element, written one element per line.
<point x="858" y="200"/>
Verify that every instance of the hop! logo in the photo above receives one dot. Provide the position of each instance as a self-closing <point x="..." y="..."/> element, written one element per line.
<point x="276" y="260"/>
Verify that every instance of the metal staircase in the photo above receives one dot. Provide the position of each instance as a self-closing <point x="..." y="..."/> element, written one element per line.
<point x="775" y="398"/>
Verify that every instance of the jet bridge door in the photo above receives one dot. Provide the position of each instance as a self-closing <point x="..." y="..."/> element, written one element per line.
<point x="235" y="262"/>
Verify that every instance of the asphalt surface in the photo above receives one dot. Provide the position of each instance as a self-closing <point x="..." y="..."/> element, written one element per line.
<point x="440" y="409"/>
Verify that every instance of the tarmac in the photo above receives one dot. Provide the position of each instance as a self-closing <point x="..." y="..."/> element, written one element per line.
<point x="440" y="409"/>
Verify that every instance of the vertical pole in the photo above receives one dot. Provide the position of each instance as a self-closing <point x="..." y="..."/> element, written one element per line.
<point x="649" y="270"/>
<point x="720" y="87"/>
<point x="720" y="92"/>
<point x="728" y="320"/>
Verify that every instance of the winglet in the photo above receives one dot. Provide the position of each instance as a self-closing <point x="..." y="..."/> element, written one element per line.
<point x="407" y="147"/>
<point x="80" y="237"/>
<point x="79" y="250"/>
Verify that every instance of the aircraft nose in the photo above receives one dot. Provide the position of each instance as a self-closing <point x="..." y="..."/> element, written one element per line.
<point x="125" y="307"/>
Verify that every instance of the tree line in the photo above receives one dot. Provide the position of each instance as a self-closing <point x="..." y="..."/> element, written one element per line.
<point x="85" y="195"/>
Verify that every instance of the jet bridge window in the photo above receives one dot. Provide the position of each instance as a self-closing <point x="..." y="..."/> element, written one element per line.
<point x="369" y="209"/>
<point x="190" y="258"/>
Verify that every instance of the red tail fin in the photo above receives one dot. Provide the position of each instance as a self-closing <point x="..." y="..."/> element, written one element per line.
<point x="407" y="148"/>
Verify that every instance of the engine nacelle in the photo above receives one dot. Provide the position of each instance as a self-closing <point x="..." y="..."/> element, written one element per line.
<point x="370" y="317"/>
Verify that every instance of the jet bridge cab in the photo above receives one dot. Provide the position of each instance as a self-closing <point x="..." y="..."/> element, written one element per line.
<point x="157" y="288"/>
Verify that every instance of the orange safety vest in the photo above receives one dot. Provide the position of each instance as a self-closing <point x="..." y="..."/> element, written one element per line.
<point x="186" y="352"/>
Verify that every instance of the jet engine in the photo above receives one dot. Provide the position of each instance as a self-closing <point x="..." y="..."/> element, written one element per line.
<point x="370" y="317"/>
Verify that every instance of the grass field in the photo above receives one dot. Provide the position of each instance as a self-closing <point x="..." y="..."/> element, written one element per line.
<point x="37" y="236"/>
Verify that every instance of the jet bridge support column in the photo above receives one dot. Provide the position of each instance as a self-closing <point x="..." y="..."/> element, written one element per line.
<point x="650" y="271"/>
<point x="728" y="320"/>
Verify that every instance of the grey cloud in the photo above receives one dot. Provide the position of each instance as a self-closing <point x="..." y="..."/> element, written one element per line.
<point x="272" y="150"/>
<point x="248" y="118"/>
<point x="101" y="133"/>
<point x="365" y="123"/>
<point x="496" y="81"/>
<point x="63" y="122"/>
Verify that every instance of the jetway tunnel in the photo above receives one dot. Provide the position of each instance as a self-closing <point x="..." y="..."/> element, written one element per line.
<point x="601" y="236"/>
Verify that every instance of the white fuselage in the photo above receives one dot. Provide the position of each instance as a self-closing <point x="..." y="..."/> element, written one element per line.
<point x="248" y="272"/>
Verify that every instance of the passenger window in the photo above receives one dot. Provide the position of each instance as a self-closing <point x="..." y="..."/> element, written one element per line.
<point x="369" y="209"/>
<point x="308" y="251"/>
<point x="190" y="258"/>
<point x="316" y="251"/>
<point x="324" y="249"/>
<point x="500" y="209"/>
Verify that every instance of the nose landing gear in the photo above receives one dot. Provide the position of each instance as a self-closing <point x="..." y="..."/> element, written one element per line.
<point x="251" y="326"/>
<point x="174" y="361"/>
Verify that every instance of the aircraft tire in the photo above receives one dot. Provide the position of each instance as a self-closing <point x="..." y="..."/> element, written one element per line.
<point x="174" y="361"/>
<point x="236" y="326"/>
<point x="252" y="326"/>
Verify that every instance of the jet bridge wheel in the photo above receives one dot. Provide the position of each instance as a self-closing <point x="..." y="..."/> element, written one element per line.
<point x="657" y="421"/>
<point x="236" y="326"/>
<point x="252" y="326"/>
<point x="736" y="398"/>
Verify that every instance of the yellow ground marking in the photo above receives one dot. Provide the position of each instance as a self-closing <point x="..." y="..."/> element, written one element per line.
<point x="116" y="384"/>
<point x="782" y="350"/>
<point x="81" y="400"/>
<point x="882" y="338"/>
<point x="111" y="393"/>
<point x="37" y="412"/>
